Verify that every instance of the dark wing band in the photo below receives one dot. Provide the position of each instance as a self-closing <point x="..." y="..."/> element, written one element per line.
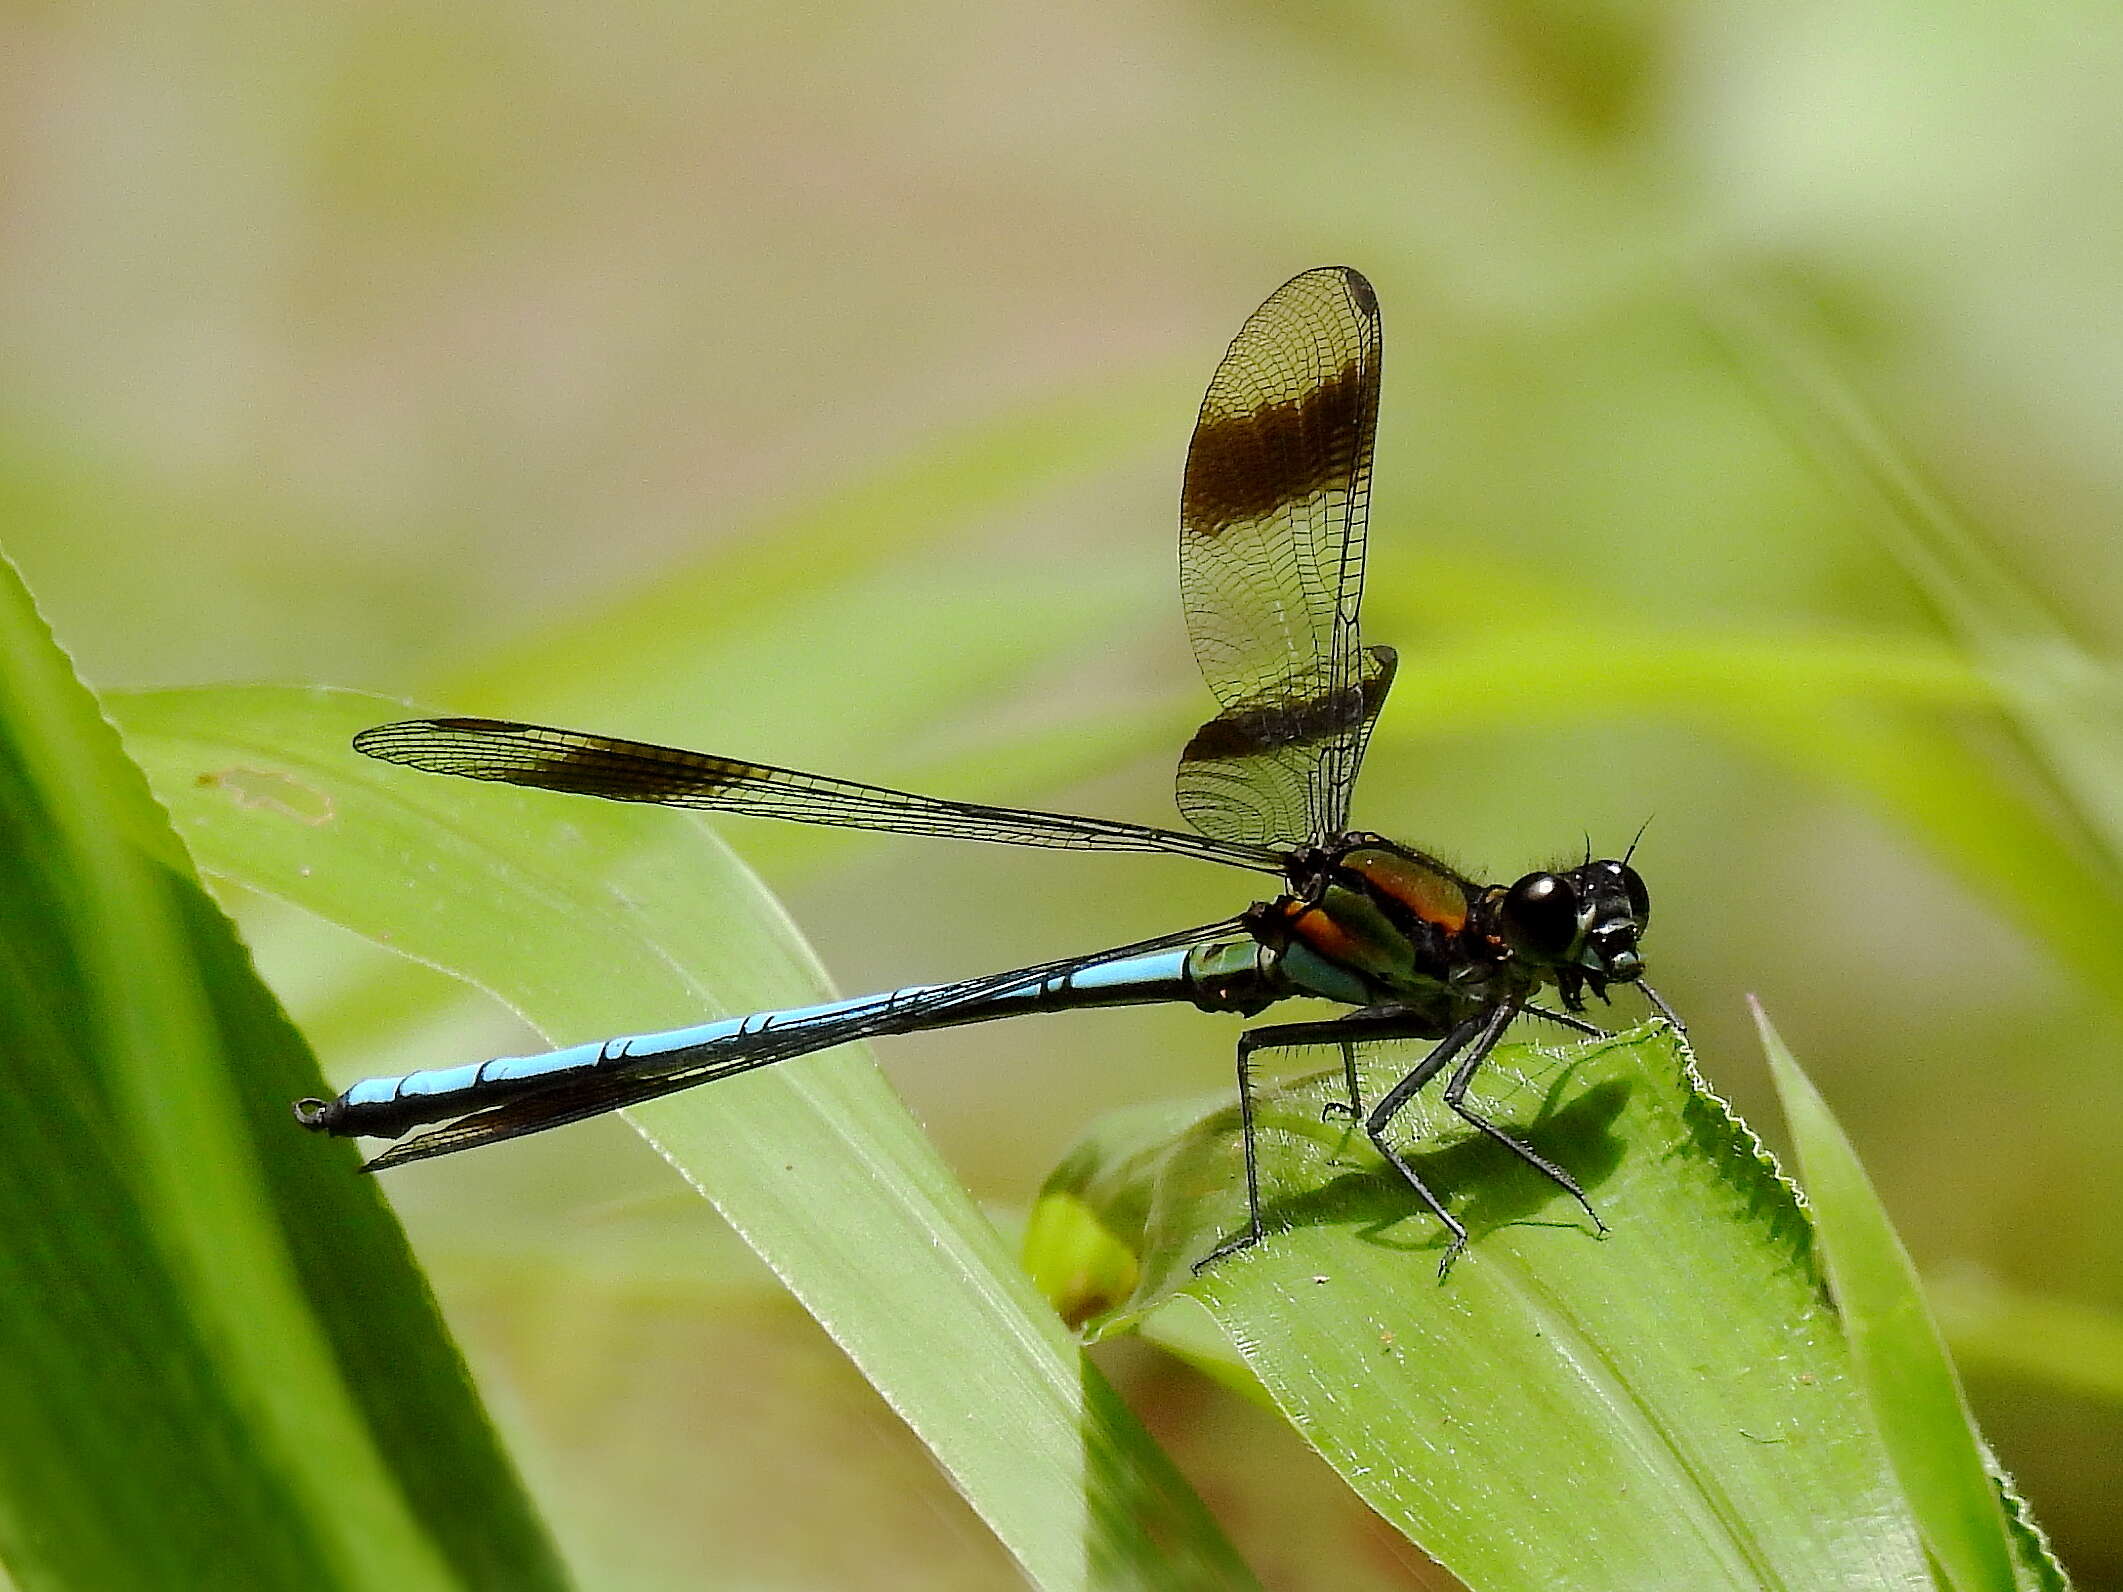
<point x="1272" y="524"/>
<point x="1254" y="769"/>
<point x="634" y="771"/>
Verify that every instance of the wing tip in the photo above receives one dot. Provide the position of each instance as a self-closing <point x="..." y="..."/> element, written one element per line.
<point x="368" y="745"/>
<point x="393" y="741"/>
<point x="1359" y="287"/>
<point x="1348" y="278"/>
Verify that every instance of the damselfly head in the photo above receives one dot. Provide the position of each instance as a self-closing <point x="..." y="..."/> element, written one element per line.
<point x="1586" y="918"/>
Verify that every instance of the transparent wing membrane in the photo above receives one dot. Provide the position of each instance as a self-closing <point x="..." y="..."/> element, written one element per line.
<point x="1255" y="774"/>
<point x="633" y="771"/>
<point x="1272" y="525"/>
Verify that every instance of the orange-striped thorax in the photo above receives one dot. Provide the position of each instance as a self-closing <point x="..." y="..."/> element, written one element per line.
<point x="1370" y="922"/>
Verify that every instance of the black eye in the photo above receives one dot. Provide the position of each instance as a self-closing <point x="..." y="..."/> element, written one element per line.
<point x="1541" y="916"/>
<point x="1639" y="897"/>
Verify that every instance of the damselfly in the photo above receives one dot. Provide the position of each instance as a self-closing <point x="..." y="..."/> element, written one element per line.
<point x="1271" y="557"/>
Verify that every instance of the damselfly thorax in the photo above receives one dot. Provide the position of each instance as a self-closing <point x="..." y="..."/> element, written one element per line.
<point x="1374" y="923"/>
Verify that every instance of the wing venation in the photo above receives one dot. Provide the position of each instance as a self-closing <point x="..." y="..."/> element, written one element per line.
<point x="1250" y="767"/>
<point x="1272" y="526"/>
<point x="543" y="758"/>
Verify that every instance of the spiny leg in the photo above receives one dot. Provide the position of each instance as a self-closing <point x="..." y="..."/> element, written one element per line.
<point x="1658" y="1004"/>
<point x="1353" y="1107"/>
<point x="1395" y="1022"/>
<point x="1247" y="1042"/>
<point x="1370" y="1023"/>
<point x="1456" y="1096"/>
<point x="1349" y="1112"/>
<point x="1575" y="1024"/>
<point x="1482" y="1032"/>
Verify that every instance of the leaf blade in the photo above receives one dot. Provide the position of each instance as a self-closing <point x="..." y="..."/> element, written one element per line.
<point x="608" y="913"/>
<point x="1670" y="1407"/>
<point x="184" y="1405"/>
<point x="1900" y="1359"/>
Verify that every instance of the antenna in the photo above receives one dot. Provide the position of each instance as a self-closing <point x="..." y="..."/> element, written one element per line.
<point x="1631" y="852"/>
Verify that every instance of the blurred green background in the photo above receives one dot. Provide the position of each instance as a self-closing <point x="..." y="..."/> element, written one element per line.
<point x="812" y="385"/>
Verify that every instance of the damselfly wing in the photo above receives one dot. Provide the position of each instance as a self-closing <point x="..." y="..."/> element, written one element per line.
<point x="1273" y="517"/>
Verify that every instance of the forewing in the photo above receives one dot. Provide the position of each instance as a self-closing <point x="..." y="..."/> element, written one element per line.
<point x="1272" y="522"/>
<point x="634" y="771"/>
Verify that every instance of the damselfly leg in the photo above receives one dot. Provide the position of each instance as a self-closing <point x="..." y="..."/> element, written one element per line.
<point x="1456" y="1097"/>
<point x="1469" y="1043"/>
<point x="1348" y="1032"/>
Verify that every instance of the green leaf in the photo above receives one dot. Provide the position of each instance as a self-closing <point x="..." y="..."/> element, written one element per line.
<point x="593" y="919"/>
<point x="1909" y="1384"/>
<point x="1671" y="1407"/>
<point x="222" y="1367"/>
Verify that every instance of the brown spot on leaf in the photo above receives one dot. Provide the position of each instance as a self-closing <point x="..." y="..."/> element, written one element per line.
<point x="271" y="790"/>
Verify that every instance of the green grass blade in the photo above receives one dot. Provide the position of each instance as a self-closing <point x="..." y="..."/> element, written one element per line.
<point x="222" y="1367"/>
<point x="596" y="919"/>
<point x="1874" y="718"/>
<point x="1672" y="1407"/>
<point x="677" y="660"/>
<point x="1900" y="1362"/>
<point x="653" y="649"/>
<point x="2066" y="702"/>
<point x="2043" y="1339"/>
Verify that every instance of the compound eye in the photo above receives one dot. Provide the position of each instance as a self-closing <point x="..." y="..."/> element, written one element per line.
<point x="1639" y="897"/>
<point x="1541" y="915"/>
